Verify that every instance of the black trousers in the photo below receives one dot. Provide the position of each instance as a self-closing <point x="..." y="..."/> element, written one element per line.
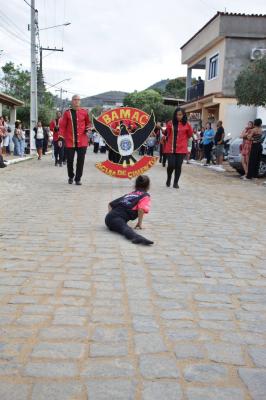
<point x="208" y="152"/>
<point x="150" y="151"/>
<point x="175" y="162"/>
<point x="118" y="223"/>
<point x="45" y="146"/>
<point x="254" y="160"/>
<point x="96" y="147"/>
<point x="70" y="154"/>
<point x="58" y="153"/>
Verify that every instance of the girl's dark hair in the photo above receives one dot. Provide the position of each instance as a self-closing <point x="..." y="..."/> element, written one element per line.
<point x="175" y="120"/>
<point x="258" y="122"/>
<point x="17" y="123"/>
<point x="142" y="183"/>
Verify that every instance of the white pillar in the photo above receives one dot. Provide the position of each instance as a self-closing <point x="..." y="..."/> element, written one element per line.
<point x="1" y="109"/>
<point x="13" y="115"/>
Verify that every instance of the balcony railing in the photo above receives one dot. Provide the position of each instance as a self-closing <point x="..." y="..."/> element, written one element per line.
<point x="196" y="91"/>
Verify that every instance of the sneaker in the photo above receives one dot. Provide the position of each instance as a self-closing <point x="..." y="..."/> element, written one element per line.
<point x="175" y="185"/>
<point x="168" y="182"/>
<point x="70" y="181"/>
<point x="78" y="183"/>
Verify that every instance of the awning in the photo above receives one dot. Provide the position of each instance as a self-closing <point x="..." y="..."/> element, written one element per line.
<point x="9" y="100"/>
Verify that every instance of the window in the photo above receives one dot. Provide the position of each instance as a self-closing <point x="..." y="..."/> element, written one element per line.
<point x="213" y="67"/>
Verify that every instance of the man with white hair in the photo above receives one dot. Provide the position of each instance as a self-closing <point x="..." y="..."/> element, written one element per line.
<point x="74" y="126"/>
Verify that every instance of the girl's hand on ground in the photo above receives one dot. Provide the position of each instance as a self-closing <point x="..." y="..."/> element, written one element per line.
<point x="138" y="226"/>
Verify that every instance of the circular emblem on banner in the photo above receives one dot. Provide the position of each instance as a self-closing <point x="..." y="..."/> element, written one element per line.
<point x="125" y="130"/>
<point x="126" y="144"/>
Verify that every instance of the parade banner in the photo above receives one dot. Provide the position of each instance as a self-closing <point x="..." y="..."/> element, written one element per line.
<point x="125" y="130"/>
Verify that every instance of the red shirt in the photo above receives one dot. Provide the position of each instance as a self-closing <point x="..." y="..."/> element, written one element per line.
<point x="52" y="126"/>
<point x="144" y="204"/>
<point x="67" y="128"/>
<point x="184" y="133"/>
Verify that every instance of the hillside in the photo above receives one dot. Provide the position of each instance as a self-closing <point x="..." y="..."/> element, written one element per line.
<point x="160" y="85"/>
<point x="101" y="99"/>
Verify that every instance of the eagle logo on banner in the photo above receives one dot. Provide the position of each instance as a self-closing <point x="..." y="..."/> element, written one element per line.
<point x="125" y="130"/>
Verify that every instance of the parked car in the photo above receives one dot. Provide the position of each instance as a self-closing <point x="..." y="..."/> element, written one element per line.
<point x="234" y="156"/>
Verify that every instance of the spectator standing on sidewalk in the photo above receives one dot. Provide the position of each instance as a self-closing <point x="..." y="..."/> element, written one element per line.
<point x="74" y="128"/>
<point x="207" y="141"/>
<point x="7" y="136"/>
<point x="256" y="149"/>
<point x="19" y="140"/>
<point x="39" y="137"/>
<point x="219" y="143"/>
<point x="246" y="148"/>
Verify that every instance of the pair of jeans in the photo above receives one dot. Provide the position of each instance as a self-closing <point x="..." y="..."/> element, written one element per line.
<point x="70" y="155"/>
<point x="175" y="162"/>
<point x="16" y="145"/>
<point x="208" y="152"/>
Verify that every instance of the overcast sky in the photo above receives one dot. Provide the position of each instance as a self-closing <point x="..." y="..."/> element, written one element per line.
<point x="110" y="45"/>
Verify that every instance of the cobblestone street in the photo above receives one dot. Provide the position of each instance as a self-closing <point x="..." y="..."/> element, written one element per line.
<point x="85" y="314"/>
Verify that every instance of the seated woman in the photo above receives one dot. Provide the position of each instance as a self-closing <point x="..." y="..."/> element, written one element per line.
<point x="130" y="207"/>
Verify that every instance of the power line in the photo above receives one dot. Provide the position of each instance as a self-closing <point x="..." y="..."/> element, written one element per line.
<point x="6" y="30"/>
<point x="12" y="24"/>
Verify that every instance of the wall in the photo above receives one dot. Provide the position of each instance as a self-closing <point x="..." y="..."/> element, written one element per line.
<point x="235" y="117"/>
<point x="237" y="57"/>
<point x="202" y="41"/>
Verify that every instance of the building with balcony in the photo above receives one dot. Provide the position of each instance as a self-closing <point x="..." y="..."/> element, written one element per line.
<point x="219" y="51"/>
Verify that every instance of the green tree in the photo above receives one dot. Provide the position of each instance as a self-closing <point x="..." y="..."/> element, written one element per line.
<point x="148" y="100"/>
<point x="96" y="111"/>
<point x="176" y="88"/>
<point x="250" y="85"/>
<point x="16" y="82"/>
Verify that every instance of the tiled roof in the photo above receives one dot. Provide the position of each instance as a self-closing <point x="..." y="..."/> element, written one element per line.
<point x="220" y="13"/>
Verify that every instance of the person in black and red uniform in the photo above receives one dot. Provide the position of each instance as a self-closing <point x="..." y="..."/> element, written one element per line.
<point x="130" y="207"/>
<point x="57" y="141"/>
<point x="178" y="131"/>
<point x="74" y="128"/>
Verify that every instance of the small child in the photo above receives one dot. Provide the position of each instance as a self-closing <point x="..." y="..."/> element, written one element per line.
<point x="130" y="207"/>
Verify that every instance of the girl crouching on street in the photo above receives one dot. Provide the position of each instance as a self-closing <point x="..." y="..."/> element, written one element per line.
<point x="128" y="208"/>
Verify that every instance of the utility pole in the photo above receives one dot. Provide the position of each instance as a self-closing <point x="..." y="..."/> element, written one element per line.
<point x="61" y="90"/>
<point x="33" y="82"/>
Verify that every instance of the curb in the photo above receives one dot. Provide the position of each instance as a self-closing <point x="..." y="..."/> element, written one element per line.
<point x="18" y="160"/>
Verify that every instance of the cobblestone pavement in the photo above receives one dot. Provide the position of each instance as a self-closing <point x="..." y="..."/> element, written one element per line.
<point x="84" y="314"/>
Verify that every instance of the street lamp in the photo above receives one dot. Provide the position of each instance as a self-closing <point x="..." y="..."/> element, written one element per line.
<point x="55" y="26"/>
